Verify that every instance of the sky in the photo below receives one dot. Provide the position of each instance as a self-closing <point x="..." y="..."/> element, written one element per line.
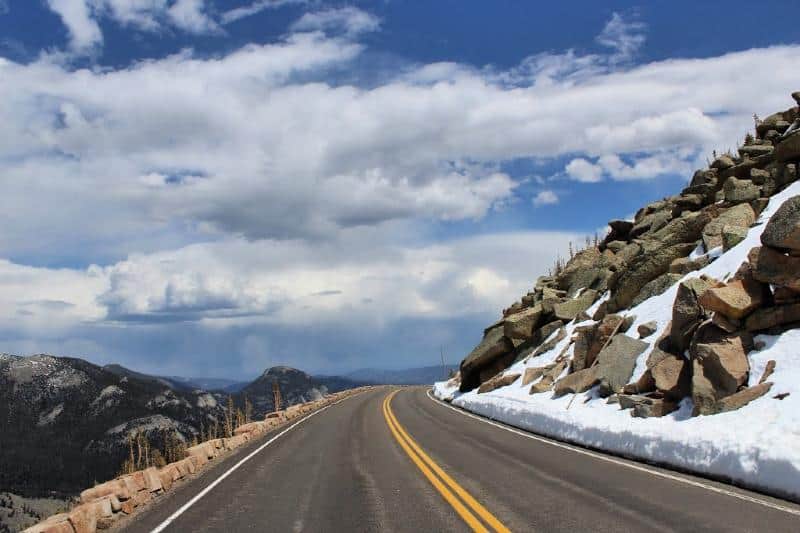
<point x="213" y="187"/>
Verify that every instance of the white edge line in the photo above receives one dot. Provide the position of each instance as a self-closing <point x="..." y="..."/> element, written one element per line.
<point x="163" y="525"/>
<point x="626" y="464"/>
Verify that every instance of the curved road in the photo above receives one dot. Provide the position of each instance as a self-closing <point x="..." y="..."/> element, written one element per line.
<point x="415" y="464"/>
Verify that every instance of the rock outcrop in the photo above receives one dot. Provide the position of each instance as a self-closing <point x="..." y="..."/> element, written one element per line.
<point x="702" y="355"/>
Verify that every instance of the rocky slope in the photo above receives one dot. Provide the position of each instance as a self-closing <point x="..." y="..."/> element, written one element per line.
<point x="296" y="387"/>
<point x="80" y="417"/>
<point x="682" y="315"/>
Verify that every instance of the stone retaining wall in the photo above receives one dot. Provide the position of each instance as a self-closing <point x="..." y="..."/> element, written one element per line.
<point x="103" y="504"/>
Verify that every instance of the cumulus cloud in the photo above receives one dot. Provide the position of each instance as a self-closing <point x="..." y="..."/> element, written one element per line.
<point x="349" y="20"/>
<point x="546" y="197"/>
<point x="247" y="191"/>
<point x="647" y="167"/>
<point x="582" y="170"/>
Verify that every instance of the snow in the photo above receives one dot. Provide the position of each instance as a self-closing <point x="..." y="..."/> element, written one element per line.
<point x="757" y="445"/>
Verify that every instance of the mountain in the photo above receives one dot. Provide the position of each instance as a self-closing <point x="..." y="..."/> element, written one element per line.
<point x="79" y="416"/>
<point x="212" y="384"/>
<point x="410" y="376"/>
<point x="172" y="383"/>
<point x="295" y="386"/>
<point x="688" y="316"/>
<point x="181" y="383"/>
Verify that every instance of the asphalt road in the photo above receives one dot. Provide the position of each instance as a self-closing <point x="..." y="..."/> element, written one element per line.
<point x="345" y="469"/>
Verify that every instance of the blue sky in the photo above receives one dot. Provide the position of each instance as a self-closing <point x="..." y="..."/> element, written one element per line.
<point x="200" y="187"/>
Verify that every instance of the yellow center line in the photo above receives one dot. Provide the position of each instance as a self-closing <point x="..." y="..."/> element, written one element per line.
<point x="425" y="463"/>
<point x="462" y="511"/>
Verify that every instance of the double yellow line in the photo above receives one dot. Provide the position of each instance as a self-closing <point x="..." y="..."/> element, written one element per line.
<point x="459" y="499"/>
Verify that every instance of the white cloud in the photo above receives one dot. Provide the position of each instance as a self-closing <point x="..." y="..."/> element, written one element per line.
<point x="546" y="197"/>
<point x="190" y="15"/>
<point x="81" y="17"/>
<point x="582" y="170"/>
<point x="349" y="20"/>
<point x="642" y="167"/>
<point x="234" y="134"/>
<point x="4" y="8"/>
<point x="84" y="32"/>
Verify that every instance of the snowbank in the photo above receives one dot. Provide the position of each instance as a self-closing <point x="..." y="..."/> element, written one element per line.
<point x="757" y="446"/>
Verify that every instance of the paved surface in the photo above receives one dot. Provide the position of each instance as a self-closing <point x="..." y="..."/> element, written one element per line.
<point x="344" y="470"/>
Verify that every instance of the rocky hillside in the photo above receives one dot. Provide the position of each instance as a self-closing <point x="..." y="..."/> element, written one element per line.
<point x="296" y="387"/>
<point x="80" y="417"/>
<point x="684" y="312"/>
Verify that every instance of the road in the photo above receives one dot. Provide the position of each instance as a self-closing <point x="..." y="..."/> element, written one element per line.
<point x="415" y="464"/>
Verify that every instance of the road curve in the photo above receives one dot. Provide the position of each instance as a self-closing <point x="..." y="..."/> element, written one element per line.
<point x="351" y="468"/>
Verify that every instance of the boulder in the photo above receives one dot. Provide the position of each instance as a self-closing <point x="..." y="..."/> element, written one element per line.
<point x="720" y="366"/>
<point x="498" y="381"/>
<point x="731" y="236"/>
<point x="686" y="313"/>
<point x="738" y="191"/>
<point x="771" y="266"/>
<point x="756" y="150"/>
<point x="643" y="385"/>
<point x="83" y="518"/>
<point x="722" y="162"/>
<point x="490" y="351"/>
<point x="522" y="325"/>
<point x="688" y="228"/>
<point x="656" y="287"/>
<point x="616" y="362"/>
<point x="684" y="265"/>
<point x="736" y="299"/>
<point x="643" y="269"/>
<point x="620" y="232"/>
<point x="740" y="399"/>
<point x="783" y="229"/>
<point x="647" y="329"/>
<point x="741" y="216"/>
<point x="653" y="408"/>
<point x="569" y="309"/>
<point x="533" y="373"/>
<point x="672" y="375"/>
<point x="586" y="267"/>
<point x="152" y="479"/>
<point x="116" y="487"/>
<point x="769" y="317"/>
<point x="579" y="381"/>
<point x="546" y="383"/>
<point x="788" y="149"/>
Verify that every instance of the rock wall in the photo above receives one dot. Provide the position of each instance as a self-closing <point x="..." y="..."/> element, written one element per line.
<point x="104" y="504"/>
<point x="703" y="355"/>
